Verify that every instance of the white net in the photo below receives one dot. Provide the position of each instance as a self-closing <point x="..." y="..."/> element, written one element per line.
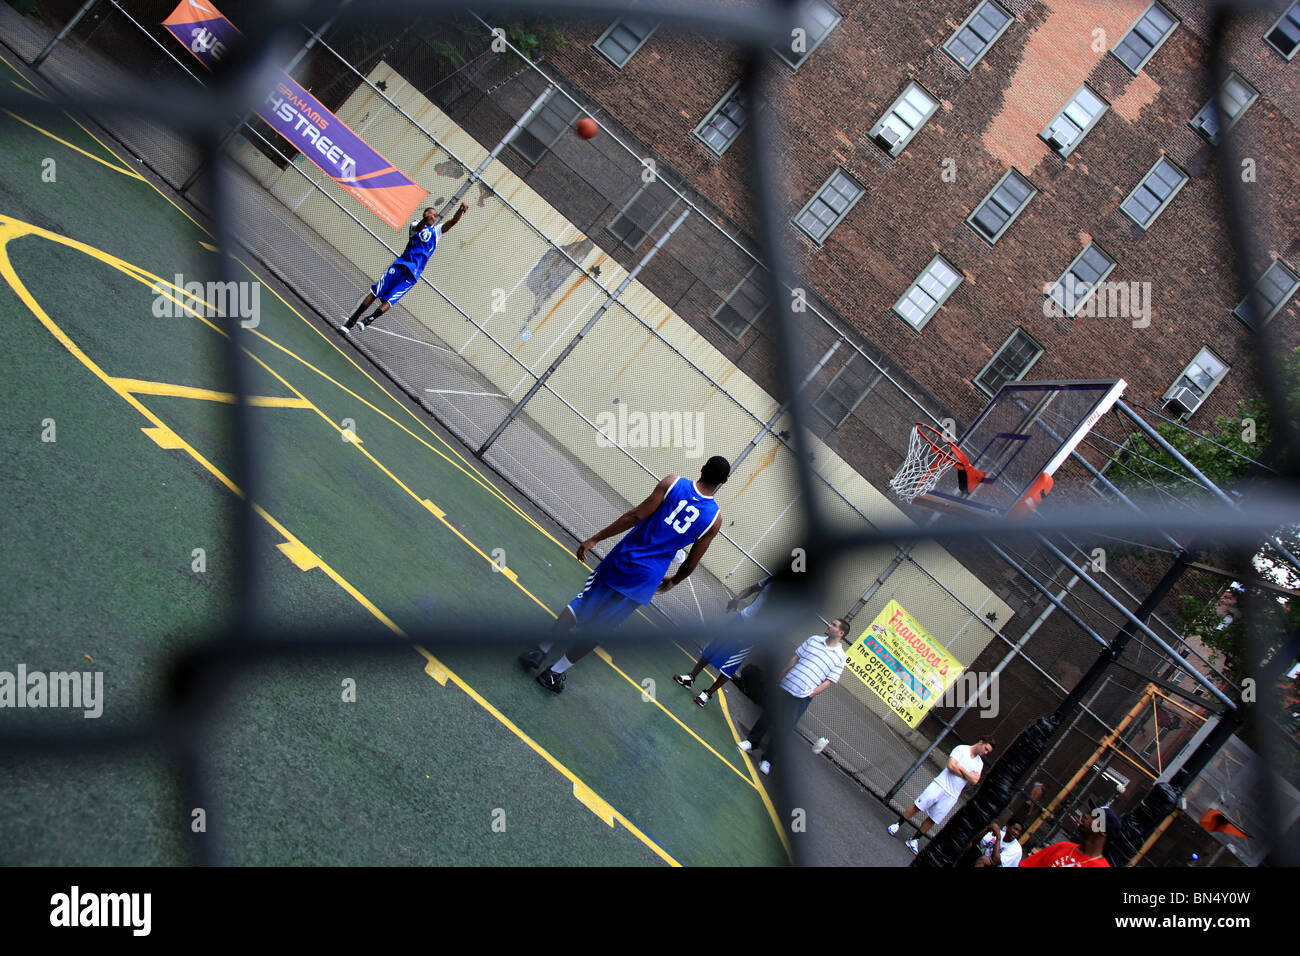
<point x="922" y="468"/>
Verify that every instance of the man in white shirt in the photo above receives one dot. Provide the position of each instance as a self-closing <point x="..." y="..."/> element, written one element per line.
<point x="1001" y="845"/>
<point x="965" y="764"/>
<point x="817" y="663"/>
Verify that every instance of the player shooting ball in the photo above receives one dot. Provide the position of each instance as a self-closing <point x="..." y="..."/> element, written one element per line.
<point x="405" y="271"/>
<point x="679" y="513"/>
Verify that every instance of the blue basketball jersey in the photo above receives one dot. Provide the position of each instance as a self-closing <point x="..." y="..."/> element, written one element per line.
<point x="419" y="247"/>
<point x="638" y="563"/>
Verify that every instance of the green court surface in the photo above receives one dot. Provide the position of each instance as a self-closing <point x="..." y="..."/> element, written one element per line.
<point x="368" y="522"/>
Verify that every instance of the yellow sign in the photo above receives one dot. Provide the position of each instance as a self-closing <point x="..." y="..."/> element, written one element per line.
<point x="902" y="664"/>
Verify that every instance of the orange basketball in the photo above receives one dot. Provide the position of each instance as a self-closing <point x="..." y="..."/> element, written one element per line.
<point x="587" y="127"/>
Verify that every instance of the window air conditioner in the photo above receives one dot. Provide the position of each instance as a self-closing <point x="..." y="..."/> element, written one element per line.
<point x="1184" y="398"/>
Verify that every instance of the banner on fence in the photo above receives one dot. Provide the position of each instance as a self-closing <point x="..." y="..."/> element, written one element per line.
<point x="301" y="119"/>
<point x="902" y="664"/>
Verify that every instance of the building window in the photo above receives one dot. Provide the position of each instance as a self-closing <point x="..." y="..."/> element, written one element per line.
<point x="1016" y="357"/>
<point x="930" y="290"/>
<point x="831" y="204"/>
<point x="548" y="124"/>
<point x="1141" y="42"/>
<point x="1071" y="125"/>
<point x="980" y="31"/>
<point x="1220" y="113"/>
<point x="725" y="121"/>
<point x="744" y="306"/>
<point x="624" y="37"/>
<point x="1195" y="384"/>
<point x="846" y="390"/>
<point x="819" y="19"/>
<point x="640" y="216"/>
<point x="1157" y="188"/>
<point x="1284" y="35"/>
<point x="1275" y="287"/>
<point x="1081" y="279"/>
<point x="901" y="121"/>
<point x="1001" y="206"/>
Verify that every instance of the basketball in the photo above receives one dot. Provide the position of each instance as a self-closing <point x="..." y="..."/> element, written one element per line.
<point x="587" y="127"/>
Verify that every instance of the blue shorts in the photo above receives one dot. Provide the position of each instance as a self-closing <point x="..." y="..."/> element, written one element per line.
<point x="395" y="284"/>
<point x="601" y="606"/>
<point x="726" y="656"/>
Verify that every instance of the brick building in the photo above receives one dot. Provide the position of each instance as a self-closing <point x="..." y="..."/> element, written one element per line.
<point x="933" y="200"/>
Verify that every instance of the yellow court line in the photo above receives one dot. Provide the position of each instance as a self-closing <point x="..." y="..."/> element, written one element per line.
<point x="749" y="764"/>
<point x="141" y="387"/>
<point x="472" y="473"/>
<point x="481" y="478"/>
<point x="437" y="512"/>
<point x="439" y="672"/>
<point x="27" y="89"/>
<point x="301" y="555"/>
<point x="604" y="655"/>
<point x="117" y="169"/>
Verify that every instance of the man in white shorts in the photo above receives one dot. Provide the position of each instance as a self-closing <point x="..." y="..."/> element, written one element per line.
<point x="965" y="764"/>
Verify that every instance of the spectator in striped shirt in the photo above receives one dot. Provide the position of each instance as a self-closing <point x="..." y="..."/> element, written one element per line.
<point x="817" y="663"/>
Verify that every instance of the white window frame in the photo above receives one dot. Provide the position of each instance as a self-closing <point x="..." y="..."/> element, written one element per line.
<point x="731" y="94"/>
<point x="817" y="197"/>
<point x="1240" y="310"/>
<point x="1215" y="105"/>
<point x="612" y="27"/>
<point x="900" y="119"/>
<point x="1159" y="43"/>
<point x="1293" y="9"/>
<point x="1164" y="204"/>
<point x="782" y="53"/>
<point x="928" y="290"/>
<point x="853" y="407"/>
<point x="564" y="123"/>
<point x="988" y="44"/>
<point x="623" y="214"/>
<point x="970" y="220"/>
<point x="1185" y="378"/>
<point x="978" y="380"/>
<point x="1069" y="271"/>
<point x="1069" y="116"/>
<point x="758" y="315"/>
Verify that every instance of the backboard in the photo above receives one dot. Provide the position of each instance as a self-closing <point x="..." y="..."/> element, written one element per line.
<point x="1026" y="430"/>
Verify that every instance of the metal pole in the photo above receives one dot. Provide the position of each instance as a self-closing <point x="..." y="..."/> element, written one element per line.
<point x="591" y="323"/>
<point x="239" y="123"/>
<point x="67" y="28"/>
<point x="496" y="151"/>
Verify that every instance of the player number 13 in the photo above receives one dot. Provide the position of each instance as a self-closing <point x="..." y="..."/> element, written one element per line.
<point x="692" y="513"/>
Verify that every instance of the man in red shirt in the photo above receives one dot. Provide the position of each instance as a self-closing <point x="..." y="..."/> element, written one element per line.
<point x="1088" y="851"/>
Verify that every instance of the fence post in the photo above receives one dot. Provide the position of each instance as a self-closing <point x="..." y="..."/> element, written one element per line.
<point x="591" y="323"/>
<point x="67" y="28"/>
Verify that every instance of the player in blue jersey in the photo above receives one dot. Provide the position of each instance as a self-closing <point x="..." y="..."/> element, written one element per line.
<point x="405" y="271"/>
<point x="679" y="513"/>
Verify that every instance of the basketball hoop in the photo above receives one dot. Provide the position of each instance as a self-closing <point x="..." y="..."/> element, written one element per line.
<point x="929" y="456"/>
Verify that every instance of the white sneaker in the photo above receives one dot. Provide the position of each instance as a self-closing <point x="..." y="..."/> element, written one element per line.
<point x="913" y="845"/>
<point x="765" y="768"/>
<point x="703" y="698"/>
<point x="347" y="330"/>
<point x="745" y="745"/>
<point x="893" y="829"/>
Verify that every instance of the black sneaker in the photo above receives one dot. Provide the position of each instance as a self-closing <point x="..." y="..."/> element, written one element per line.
<point x="686" y="680"/>
<point x="551" y="680"/>
<point x="532" y="659"/>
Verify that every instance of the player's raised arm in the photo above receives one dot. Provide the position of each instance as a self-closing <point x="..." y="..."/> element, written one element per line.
<point x="632" y="518"/>
<point x="454" y="219"/>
